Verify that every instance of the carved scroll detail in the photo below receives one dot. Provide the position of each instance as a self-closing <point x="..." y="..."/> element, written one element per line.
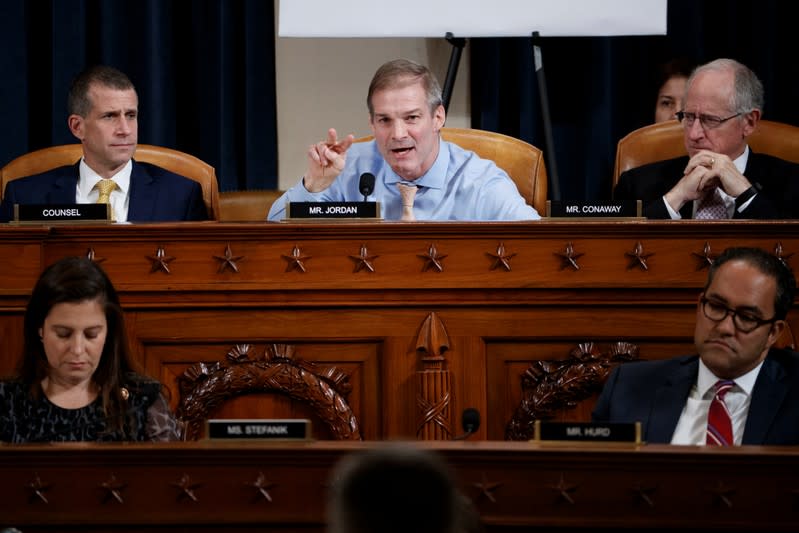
<point x="205" y="386"/>
<point x="433" y="381"/>
<point x="549" y="386"/>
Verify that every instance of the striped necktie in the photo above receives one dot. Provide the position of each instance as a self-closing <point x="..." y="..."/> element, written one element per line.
<point x="719" y="422"/>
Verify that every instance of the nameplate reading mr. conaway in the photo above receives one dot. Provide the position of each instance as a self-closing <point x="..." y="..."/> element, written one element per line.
<point x="587" y="432"/>
<point x="326" y="210"/>
<point x="294" y="429"/>
<point x="60" y="212"/>
<point x="564" y="209"/>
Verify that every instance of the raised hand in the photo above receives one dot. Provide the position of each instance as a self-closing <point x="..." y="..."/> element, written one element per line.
<point x="326" y="160"/>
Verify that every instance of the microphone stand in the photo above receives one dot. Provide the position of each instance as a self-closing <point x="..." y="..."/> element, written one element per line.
<point x="552" y="167"/>
<point x="452" y="69"/>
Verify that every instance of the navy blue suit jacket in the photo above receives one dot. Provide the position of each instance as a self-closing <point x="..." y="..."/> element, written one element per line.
<point x="655" y="392"/>
<point x="156" y="195"/>
<point x="778" y="198"/>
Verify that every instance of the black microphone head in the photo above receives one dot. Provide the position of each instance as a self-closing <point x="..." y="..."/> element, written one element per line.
<point x="367" y="184"/>
<point x="470" y="420"/>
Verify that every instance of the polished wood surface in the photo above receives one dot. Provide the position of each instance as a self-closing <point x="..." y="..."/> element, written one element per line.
<point x="408" y="323"/>
<point x="519" y="486"/>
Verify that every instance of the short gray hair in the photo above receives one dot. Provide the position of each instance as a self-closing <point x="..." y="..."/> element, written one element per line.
<point x="748" y="90"/>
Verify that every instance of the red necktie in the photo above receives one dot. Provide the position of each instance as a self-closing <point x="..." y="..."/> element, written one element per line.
<point x="719" y="423"/>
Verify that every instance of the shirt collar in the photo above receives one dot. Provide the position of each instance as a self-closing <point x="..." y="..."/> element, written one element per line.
<point x="434" y="177"/>
<point x="705" y="380"/>
<point x="89" y="178"/>
<point x="741" y="160"/>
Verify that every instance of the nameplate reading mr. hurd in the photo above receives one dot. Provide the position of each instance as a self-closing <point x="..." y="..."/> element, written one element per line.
<point x="293" y="429"/>
<point x="61" y="213"/>
<point x="587" y="432"/>
<point x="621" y="209"/>
<point x="328" y="210"/>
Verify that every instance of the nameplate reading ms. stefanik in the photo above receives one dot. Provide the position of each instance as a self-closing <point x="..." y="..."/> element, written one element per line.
<point x="620" y="209"/>
<point x="40" y="213"/>
<point x="587" y="432"/>
<point x="332" y="210"/>
<point x="290" y="429"/>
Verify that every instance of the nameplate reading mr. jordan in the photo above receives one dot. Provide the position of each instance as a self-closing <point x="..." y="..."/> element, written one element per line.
<point x="326" y="210"/>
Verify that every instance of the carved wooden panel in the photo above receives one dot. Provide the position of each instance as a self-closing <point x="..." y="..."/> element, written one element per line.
<point x="424" y="319"/>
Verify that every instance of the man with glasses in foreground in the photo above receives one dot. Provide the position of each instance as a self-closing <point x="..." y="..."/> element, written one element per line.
<point x="721" y="177"/>
<point x="739" y="389"/>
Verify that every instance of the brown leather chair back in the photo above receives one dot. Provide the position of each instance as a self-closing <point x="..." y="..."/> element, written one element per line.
<point x="241" y="206"/>
<point x="523" y="162"/>
<point x="68" y="154"/>
<point x="664" y="140"/>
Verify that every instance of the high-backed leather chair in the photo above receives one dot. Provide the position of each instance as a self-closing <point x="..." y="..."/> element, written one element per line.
<point x="242" y="206"/>
<point x="68" y="154"/>
<point x="523" y="162"/>
<point x="664" y="140"/>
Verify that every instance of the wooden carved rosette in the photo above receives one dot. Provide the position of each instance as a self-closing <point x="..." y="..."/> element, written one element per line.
<point x="206" y="386"/>
<point x="551" y="386"/>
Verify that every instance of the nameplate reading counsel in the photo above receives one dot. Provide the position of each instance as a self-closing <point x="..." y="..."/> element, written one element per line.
<point x="61" y="212"/>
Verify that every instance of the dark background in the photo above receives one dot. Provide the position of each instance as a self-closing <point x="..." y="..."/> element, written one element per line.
<point x="205" y="72"/>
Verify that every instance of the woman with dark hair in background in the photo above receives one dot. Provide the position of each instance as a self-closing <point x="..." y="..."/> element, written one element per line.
<point x="76" y="381"/>
<point x="671" y="88"/>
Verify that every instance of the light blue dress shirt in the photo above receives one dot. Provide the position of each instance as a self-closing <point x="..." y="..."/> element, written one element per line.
<point x="459" y="186"/>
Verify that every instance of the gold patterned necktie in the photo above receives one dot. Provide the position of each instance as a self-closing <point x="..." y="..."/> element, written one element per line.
<point x="407" y="192"/>
<point x="105" y="187"/>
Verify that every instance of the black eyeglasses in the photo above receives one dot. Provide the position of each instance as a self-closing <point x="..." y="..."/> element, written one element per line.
<point x="708" y="122"/>
<point x="744" y="321"/>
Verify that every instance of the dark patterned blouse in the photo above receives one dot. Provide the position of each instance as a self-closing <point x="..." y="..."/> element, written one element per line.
<point x="25" y="419"/>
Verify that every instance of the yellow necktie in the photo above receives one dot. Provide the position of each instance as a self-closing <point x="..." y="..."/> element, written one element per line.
<point x="106" y="186"/>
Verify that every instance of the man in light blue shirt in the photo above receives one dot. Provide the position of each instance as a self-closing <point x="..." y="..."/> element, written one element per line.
<point x="406" y="116"/>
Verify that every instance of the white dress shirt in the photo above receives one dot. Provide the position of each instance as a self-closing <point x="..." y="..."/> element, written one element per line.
<point x="120" y="197"/>
<point x="692" y="425"/>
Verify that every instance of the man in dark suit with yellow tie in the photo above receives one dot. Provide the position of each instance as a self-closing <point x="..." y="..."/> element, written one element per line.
<point x="721" y="177"/>
<point x="739" y="389"/>
<point x="103" y="107"/>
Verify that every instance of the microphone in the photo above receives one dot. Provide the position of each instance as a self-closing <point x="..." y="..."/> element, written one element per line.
<point x="367" y="184"/>
<point x="470" y="420"/>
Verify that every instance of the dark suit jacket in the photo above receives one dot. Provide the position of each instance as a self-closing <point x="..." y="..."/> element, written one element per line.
<point x="156" y="195"/>
<point x="655" y="392"/>
<point x="778" y="198"/>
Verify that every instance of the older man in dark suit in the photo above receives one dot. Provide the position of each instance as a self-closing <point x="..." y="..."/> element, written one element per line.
<point x="103" y="107"/>
<point x="721" y="177"/>
<point x="739" y="389"/>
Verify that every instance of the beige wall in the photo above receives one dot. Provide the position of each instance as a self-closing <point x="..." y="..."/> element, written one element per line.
<point x="322" y="83"/>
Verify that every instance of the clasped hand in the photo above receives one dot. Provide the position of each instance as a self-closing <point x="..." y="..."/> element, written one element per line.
<point x="705" y="171"/>
<point x="326" y="161"/>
